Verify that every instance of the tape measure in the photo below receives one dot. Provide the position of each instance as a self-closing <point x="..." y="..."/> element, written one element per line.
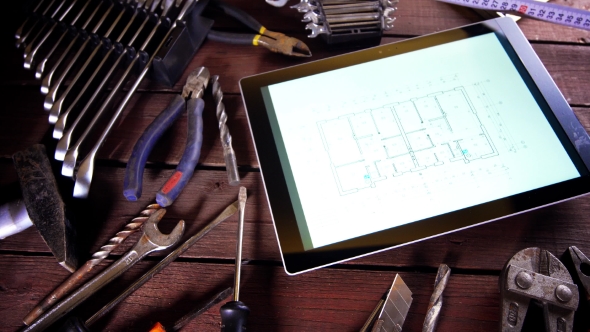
<point x="568" y="16"/>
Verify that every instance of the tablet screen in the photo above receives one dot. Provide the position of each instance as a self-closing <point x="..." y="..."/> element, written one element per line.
<point x="374" y="149"/>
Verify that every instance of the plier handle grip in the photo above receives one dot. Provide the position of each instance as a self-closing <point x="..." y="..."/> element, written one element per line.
<point x="189" y="101"/>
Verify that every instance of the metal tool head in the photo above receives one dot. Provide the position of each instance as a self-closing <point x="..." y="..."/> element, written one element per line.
<point x="277" y="3"/>
<point x="316" y="29"/>
<point x="280" y="43"/>
<point x="535" y="274"/>
<point x="84" y="176"/>
<point x="153" y="234"/>
<point x="580" y="261"/>
<point x="196" y="83"/>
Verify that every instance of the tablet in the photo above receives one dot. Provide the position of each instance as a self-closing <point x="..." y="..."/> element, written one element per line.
<point x="386" y="146"/>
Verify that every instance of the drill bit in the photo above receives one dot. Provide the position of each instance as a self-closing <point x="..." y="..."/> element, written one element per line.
<point x="104" y="251"/>
<point x="436" y="300"/>
<point x="228" y="152"/>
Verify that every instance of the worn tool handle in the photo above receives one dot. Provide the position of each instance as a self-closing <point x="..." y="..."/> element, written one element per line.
<point x="133" y="182"/>
<point x="190" y="157"/>
<point x="234" y="315"/>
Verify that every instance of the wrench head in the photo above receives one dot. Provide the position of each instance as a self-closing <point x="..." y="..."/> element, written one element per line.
<point x="153" y="234"/>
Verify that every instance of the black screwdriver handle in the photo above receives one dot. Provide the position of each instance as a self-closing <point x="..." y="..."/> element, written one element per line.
<point x="234" y="315"/>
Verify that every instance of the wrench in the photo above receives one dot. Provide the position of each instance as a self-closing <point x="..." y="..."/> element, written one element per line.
<point x="41" y="65"/>
<point x="316" y="29"/>
<point x="305" y="6"/>
<point x="19" y="31"/>
<point x="23" y="38"/>
<point x="55" y="109"/>
<point x="151" y="240"/>
<point x="60" y="123"/>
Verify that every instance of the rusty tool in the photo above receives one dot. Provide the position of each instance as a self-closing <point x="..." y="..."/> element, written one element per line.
<point x="104" y="251"/>
<point x="392" y="309"/>
<point x="151" y="240"/>
<point x="436" y="300"/>
<point x="536" y="275"/>
<point x="229" y="155"/>
<point x="41" y="205"/>
<point x="580" y="262"/>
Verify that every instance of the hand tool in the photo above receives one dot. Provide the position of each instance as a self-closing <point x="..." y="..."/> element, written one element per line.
<point x="391" y="310"/>
<point x="436" y="300"/>
<point x="23" y="38"/>
<point x="79" y="33"/>
<point x="579" y="261"/>
<point x="537" y="275"/>
<point x="20" y="29"/>
<point x="179" y="324"/>
<point x="41" y="205"/>
<point x="55" y="108"/>
<point x="52" y="92"/>
<point x="58" y="130"/>
<point x="274" y="41"/>
<point x="549" y="12"/>
<point x="53" y="23"/>
<point x="151" y="240"/>
<point x="86" y="169"/>
<point x="189" y="101"/>
<point x="104" y="251"/>
<point x="277" y="3"/>
<point x="41" y="66"/>
<point x="305" y="6"/>
<point x="234" y="314"/>
<point x="228" y="152"/>
<point x="229" y="211"/>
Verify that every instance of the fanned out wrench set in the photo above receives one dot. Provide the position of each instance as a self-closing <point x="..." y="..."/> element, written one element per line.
<point x="346" y="21"/>
<point x="103" y="41"/>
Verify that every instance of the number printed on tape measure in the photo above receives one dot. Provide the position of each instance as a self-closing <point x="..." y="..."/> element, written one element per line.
<point x="549" y="12"/>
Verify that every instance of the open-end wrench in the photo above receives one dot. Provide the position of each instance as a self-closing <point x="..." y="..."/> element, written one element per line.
<point x="305" y="6"/>
<point x="316" y="29"/>
<point x="53" y="23"/>
<point x="55" y="109"/>
<point x="151" y="240"/>
<point x="30" y="51"/>
<point x="19" y="31"/>
<point x="351" y="8"/>
<point x="60" y="119"/>
<point x="86" y="169"/>
<point x="52" y="93"/>
<point x="46" y="82"/>
<point x="23" y="38"/>
<point x="63" y="145"/>
<point x="41" y="66"/>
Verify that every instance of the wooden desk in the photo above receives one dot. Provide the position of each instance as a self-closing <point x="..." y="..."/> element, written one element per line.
<point x="338" y="298"/>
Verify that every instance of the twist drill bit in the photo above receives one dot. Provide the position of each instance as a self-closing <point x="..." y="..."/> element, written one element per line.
<point x="104" y="251"/>
<point x="228" y="152"/>
<point x="436" y="300"/>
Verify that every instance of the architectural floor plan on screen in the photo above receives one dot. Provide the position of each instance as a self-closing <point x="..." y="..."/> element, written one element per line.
<point x="416" y="135"/>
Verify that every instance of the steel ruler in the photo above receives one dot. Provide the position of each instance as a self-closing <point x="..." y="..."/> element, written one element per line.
<point x="550" y="12"/>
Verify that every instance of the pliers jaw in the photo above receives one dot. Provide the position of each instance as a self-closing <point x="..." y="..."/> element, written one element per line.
<point x="280" y="43"/>
<point x="577" y="261"/>
<point x="535" y="274"/>
<point x="196" y="83"/>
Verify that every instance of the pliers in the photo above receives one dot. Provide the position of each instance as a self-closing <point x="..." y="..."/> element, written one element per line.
<point x="534" y="274"/>
<point x="578" y="261"/>
<point x="190" y="101"/>
<point x="274" y="41"/>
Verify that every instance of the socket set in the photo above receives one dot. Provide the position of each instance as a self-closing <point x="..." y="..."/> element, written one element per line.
<point x="348" y="21"/>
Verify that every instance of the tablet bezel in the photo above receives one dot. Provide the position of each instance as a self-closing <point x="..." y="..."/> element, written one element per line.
<point x="558" y="112"/>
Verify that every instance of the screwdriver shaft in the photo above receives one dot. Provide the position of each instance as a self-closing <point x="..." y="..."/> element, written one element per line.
<point x="241" y="207"/>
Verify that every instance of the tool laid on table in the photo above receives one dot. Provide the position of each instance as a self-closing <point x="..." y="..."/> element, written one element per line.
<point x="348" y="21"/>
<point x="536" y="275"/>
<point x="226" y="213"/>
<point x="179" y="324"/>
<point x="189" y="101"/>
<point x="549" y="12"/>
<point x="391" y="310"/>
<point x="234" y="314"/>
<point x="57" y="294"/>
<point x="274" y="41"/>
<point x="151" y="240"/>
<point x="436" y="300"/>
<point x="580" y="261"/>
<point x="41" y="205"/>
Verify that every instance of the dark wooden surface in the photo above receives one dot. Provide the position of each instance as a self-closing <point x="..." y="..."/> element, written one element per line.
<point x="337" y="298"/>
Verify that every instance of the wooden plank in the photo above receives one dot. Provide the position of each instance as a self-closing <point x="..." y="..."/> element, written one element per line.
<point x="323" y="300"/>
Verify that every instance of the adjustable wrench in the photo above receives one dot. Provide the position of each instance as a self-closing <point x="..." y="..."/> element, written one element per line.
<point x="151" y="240"/>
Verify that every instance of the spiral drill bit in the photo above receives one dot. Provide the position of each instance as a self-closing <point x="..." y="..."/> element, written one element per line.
<point x="436" y="300"/>
<point x="104" y="251"/>
<point x="228" y="152"/>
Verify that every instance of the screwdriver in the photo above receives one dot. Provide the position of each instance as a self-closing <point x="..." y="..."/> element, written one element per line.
<point x="234" y="314"/>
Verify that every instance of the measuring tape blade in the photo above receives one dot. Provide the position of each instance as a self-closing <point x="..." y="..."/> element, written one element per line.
<point x="550" y="12"/>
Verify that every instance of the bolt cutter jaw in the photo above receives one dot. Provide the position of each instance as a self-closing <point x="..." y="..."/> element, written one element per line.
<point x="196" y="83"/>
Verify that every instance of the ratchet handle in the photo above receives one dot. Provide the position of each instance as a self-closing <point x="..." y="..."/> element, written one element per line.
<point x="234" y="315"/>
<point x="133" y="182"/>
<point x="190" y="157"/>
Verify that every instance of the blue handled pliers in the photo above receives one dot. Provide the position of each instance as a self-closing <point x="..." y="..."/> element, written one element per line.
<point x="190" y="101"/>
